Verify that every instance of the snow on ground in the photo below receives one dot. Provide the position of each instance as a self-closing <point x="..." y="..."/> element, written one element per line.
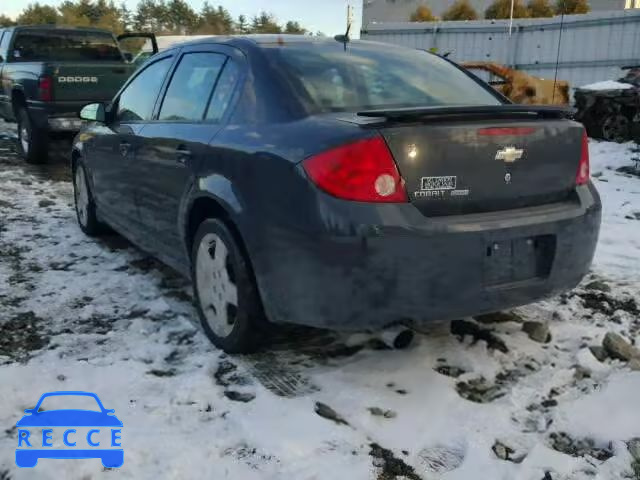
<point x="619" y="244"/>
<point x="99" y="315"/>
<point x="606" y="85"/>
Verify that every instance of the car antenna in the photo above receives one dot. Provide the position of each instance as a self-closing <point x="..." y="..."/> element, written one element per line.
<point x="344" y="39"/>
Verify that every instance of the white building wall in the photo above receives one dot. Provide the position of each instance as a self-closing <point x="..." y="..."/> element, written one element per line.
<point x="401" y="10"/>
<point x="593" y="47"/>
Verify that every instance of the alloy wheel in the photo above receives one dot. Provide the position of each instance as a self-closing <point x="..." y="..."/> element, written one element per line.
<point x="23" y="133"/>
<point x="82" y="196"/>
<point x="216" y="286"/>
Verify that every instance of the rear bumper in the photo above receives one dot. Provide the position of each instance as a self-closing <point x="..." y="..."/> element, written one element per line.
<point x="374" y="265"/>
<point x="57" y="116"/>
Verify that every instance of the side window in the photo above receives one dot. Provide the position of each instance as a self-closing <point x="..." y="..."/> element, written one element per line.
<point x="138" y="98"/>
<point x="223" y="92"/>
<point x="191" y="87"/>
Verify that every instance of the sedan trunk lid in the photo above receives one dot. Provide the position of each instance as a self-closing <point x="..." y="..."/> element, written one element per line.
<point x="454" y="165"/>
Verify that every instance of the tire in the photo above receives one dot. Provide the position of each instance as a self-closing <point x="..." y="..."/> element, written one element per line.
<point x="84" y="204"/>
<point x="616" y="127"/>
<point x="226" y="295"/>
<point x="32" y="141"/>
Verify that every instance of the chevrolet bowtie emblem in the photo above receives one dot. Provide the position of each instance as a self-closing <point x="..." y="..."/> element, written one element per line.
<point x="509" y="154"/>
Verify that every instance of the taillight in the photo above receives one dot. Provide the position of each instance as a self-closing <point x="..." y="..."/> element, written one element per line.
<point x="45" y="89"/>
<point x="582" y="177"/>
<point x="363" y="171"/>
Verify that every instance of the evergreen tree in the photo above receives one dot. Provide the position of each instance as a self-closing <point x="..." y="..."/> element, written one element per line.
<point x="158" y="16"/>
<point x="181" y="19"/>
<point x="215" y="21"/>
<point x="5" y="21"/>
<point x="294" y="27"/>
<point x="150" y="16"/>
<point x="265" y="23"/>
<point x="36" y="14"/>
<point x="241" y="25"/>
<point x="126" y="17"/>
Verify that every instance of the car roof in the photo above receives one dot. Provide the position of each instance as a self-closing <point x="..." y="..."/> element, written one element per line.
<point x="259" y="40"/>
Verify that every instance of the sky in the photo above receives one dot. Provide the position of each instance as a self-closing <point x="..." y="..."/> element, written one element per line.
<point x="327" y="16"/>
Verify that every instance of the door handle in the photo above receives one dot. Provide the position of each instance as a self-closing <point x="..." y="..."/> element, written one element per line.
<point x="182" y="154"/>
<point x="124" y="148"/>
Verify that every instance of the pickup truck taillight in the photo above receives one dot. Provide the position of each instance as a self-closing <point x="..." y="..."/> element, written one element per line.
<point x="363" y="171"/>
<point x="582" y="177"/>
<point x="45" y="88"/>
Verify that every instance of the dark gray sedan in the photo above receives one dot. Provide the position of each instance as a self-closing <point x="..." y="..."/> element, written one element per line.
<point x="350" y="185"/>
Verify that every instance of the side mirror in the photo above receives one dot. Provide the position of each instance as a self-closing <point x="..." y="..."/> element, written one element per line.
<point x="29" y="410"/>
<point x="1" y="59"/>
<point x="128" y="56"/>
<point x="94" y="112"/>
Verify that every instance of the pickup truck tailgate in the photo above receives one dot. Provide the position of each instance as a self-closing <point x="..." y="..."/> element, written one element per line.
<point x="88" y="81"/>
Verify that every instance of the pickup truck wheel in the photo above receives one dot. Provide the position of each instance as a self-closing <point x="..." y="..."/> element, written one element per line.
<point x="226" y="294"/>
<point x="32" y="141"/>
<point x="85" y="206"/>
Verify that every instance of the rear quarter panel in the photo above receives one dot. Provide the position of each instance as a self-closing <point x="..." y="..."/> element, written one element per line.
<point x="254" y="173"/>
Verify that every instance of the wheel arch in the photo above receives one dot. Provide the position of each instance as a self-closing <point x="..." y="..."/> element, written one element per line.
<point x="18" y="99"/>
<point x="207" y="206"/>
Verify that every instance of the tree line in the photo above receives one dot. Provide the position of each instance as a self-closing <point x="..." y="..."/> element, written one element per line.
<point x="157" y="16"/>
<point x="463" y="10"/>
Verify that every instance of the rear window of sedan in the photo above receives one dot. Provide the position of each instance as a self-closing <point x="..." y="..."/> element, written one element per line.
<point x="64" y="45"/>
<point x="327" y="78"/>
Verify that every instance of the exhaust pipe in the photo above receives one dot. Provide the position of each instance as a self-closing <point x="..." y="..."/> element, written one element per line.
<point x="394" y="337"/>
<point x="397" y="337"/>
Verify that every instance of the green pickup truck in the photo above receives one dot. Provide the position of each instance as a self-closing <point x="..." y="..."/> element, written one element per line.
<point x="48" y="73"/>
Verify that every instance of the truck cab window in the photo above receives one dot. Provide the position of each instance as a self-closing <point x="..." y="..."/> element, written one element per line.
<point x="60" y="45"/>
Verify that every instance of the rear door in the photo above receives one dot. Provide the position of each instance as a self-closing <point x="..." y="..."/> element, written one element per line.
<point x="192" y="110"/>
<point x="115" y="149"/>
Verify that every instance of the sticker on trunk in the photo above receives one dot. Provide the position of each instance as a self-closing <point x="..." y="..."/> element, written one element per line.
<point x="440" y="187"/>
<point x="438" y="183"/>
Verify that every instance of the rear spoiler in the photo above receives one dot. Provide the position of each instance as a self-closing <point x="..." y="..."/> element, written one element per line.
<point x="493" y="111"/>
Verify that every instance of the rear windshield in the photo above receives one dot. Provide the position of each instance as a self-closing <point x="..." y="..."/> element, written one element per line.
<point x="61" y="45"/>
<point x="326" y="78"/>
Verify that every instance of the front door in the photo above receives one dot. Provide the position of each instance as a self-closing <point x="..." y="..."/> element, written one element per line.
<point x="178" y="139"/>
<point x="116" y="149"/>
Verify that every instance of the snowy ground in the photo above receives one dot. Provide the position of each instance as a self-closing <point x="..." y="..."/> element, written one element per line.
<point x="81" y="314"/>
